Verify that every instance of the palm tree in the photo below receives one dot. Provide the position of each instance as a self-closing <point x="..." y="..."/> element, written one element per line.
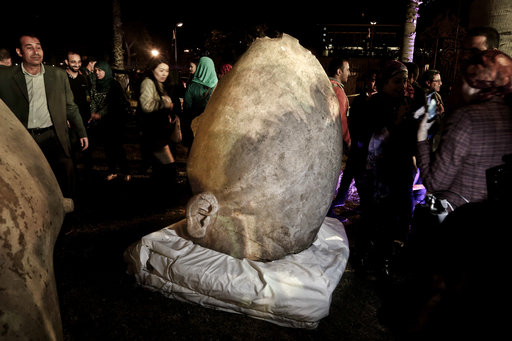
<point x="117" y="46"/>
<point x="411" y="19"/>
<point x="497" y="14"/>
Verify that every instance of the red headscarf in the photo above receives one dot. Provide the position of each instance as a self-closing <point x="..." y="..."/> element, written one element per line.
<point x="224" y="69"/>
<point x="490" y="71"/>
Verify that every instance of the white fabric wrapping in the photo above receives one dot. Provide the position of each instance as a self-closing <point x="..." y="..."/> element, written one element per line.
<point x="294" y="291"/>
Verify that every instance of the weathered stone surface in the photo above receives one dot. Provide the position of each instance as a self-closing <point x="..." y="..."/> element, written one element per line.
<point x="31" y="213"/>
<point x="268" y="151"/>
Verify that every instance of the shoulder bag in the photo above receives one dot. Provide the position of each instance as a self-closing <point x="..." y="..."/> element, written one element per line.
<point x="439" y="207"/>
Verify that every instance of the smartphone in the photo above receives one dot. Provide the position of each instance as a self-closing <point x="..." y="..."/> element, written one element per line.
<point x="431" y="107"/>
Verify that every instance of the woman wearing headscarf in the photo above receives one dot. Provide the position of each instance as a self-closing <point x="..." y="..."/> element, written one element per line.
<point x="197" y="95"/>
<point x="109" y="107"/>
<point x="474" y="137"/>
<point x="384" y="145"/>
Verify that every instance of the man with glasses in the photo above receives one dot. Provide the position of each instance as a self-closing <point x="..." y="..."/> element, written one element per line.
<point x="431" y="83"/>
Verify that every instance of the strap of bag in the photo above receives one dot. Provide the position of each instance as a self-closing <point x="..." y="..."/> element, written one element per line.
<point x="206" y="95"/>
<point x="462" y="197"/>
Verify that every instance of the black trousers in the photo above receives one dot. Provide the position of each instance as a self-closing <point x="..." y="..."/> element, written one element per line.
<point x="112" y="135"/>
<point x="61" y="164"/>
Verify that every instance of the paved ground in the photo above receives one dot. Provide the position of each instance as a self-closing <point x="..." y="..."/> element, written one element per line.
<point x="99" y="301"/>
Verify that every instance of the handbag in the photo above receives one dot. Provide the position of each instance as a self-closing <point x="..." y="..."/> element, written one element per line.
<point x="176" y="136"/>
<point x="426" y="225"/>
<point x="438" y="207"/>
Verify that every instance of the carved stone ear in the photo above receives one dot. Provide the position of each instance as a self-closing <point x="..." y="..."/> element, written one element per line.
<point x="200" y="208"/>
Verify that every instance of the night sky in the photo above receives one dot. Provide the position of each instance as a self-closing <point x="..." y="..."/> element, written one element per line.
<point x="86" y="25"/>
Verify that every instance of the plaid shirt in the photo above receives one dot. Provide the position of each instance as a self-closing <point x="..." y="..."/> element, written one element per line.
<point x="474" y="139"/>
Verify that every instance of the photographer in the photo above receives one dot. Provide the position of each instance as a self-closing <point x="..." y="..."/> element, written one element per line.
<point x="444" y="294"/>
<point x="475" y="137"/>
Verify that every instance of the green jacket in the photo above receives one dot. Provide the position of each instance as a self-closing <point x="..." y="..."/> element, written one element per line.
<point x="13" y="91"/>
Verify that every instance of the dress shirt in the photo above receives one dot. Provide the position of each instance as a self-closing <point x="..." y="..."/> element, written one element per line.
<point x="38" y="115"/>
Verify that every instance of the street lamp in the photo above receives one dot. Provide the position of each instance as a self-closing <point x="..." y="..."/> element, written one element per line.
<point x="155" y="52"/>
<point x="372" y="33"/>
<point x="174" y="36"/>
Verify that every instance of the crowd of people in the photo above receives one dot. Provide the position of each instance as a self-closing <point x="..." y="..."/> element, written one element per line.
<point x="392" y="146"/>
<point x="397" y="147"/>
<point x="69" y="111"/>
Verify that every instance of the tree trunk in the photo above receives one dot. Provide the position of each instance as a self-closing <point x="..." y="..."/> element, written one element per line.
<point x="497" y="14"/>
<point x="117" y="47"/>
<point x="411" y="18"/>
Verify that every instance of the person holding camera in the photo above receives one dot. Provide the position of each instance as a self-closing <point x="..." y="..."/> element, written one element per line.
<point x="443" y="257"/>
<point x="474" y="137"/>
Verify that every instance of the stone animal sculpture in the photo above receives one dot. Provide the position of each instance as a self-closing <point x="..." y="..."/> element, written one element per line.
<point x="32" y="209"/>
<point x="266" y="156"/>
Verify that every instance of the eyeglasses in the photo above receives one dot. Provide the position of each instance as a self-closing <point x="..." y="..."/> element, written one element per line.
<point x="436" y="80"/>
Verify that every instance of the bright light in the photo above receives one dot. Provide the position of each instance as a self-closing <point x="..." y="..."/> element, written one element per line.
<point x="175" y="37"/>
<point x="154" y="53"/>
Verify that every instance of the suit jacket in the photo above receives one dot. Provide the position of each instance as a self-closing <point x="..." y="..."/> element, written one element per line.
<point x="13" y="91"/>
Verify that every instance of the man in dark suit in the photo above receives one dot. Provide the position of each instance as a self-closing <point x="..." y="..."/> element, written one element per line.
<point x="40" y="96"/>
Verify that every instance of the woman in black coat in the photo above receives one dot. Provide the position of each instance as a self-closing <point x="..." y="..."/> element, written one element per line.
<point x="109" y="108"/>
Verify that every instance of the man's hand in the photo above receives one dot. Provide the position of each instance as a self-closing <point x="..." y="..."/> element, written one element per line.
<point x="94" y="117"/>
<point x="84" y="143"/>
<point x="423" y="128"/>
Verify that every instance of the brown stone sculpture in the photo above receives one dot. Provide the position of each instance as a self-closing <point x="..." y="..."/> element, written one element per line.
<point x="266" y="156"/>
<point x="32" y="209"/>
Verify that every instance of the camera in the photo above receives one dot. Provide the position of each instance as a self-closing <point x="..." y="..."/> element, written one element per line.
<point x="431" y="107"/>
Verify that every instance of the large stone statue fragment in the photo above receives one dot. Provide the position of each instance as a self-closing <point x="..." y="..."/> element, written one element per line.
<point x="32" y="209"/>
<point x="266" y="156"/>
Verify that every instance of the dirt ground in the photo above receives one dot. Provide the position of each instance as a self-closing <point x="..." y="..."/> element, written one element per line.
<point x="99" y="301"/>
